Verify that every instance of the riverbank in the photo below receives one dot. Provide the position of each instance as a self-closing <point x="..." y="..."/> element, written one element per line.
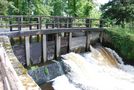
<point x="122" y="40"/>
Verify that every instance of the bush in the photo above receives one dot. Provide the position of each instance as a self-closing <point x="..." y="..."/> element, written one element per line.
<point x="122" y="41"/>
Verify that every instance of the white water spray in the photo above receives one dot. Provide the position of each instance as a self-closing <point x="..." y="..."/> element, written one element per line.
<point x="100" y="69"/>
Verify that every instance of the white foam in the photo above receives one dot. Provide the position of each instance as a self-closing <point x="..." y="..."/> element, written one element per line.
<point x="86" y="73"/>
<point x="115" y="55"/>
<point x="62" y="83"/>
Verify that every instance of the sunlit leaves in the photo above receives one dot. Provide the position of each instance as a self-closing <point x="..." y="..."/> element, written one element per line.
<point x="121" y="11"/>
<point x="4" y="5"/>
<point x="75" y="8"/>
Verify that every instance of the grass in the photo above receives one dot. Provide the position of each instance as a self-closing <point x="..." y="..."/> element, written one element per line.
<point x="122" y="41"/>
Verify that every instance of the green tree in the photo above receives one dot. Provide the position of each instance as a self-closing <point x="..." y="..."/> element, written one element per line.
<point x="4" y="6"/>
<point x="75" y="8"/>
<point x="79" y="8"/>
<point x="119" y="11"/>
<point x="30" y="7"/>
<point x="88" y="8"/>
<point x="41" y="7"/>
<point x="58" y="7"/>
<point x="20" y="7"/>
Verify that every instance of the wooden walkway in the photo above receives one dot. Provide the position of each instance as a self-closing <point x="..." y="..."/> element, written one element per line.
<point x="49" y="27"/>
<point x="43" y="28"/>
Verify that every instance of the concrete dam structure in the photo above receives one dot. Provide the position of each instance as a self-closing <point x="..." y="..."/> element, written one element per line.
<point x="59" y="53"/>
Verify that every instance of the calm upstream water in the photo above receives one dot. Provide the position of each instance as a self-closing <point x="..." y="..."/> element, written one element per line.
<point x="100" y="69"/>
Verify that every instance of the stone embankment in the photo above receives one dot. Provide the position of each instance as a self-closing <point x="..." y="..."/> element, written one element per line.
<point x="12" y="73"/>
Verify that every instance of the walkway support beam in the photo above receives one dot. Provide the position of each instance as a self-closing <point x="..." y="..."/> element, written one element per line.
<point x="27" y="50"/>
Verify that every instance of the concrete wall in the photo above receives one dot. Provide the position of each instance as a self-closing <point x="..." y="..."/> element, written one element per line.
<point x="44" y="73"/>
<point x="14" y="68"/>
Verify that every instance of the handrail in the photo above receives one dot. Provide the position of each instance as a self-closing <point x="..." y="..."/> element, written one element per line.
<point x="21" y="21"/>
<point x="11" y="16"/>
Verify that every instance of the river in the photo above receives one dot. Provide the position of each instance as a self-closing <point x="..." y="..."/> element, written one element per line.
<point x="100" y="69"/>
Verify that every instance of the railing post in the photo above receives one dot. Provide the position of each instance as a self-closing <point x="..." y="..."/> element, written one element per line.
<point x="10" y="23"/>
<point x="58" y="45"/>
<point x="11" y="29"/>
<point x="53" y="22"/>
<point x="30" y="28"/>
<point x="19" y="23"/>
<point x="101" y="24"/>
<point x="87" y="22"/>
<point x="66" y="22"/>
<point x="44" y="48"/>
<point x="20" y="20"/>
<point x="27" y="50"/>
<point x="40" y="22"/>
<point x="38" y="27"/>
<point x="70" y="22"/>
<point x="37" y="21"/>
<point x="58" y="22"/>
<point x="46" y="22"/>
<point x="52" y="36"/>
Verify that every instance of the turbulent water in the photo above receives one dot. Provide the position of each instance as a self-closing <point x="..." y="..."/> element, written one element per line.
<point x="100" y="69"/>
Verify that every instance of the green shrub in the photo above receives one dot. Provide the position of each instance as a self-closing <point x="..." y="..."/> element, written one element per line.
<point x="122" y="41"/>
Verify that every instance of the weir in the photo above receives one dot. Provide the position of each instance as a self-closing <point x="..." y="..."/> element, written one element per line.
<point x="38" y="39"/>
<point x="47" y="28"/>
<point x="95" y="71"/>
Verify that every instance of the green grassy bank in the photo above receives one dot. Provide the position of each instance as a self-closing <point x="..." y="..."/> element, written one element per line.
<point x="123" y="42"/>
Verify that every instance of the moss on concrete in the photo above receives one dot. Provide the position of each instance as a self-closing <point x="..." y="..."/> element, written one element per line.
<point x="22" y="73"/>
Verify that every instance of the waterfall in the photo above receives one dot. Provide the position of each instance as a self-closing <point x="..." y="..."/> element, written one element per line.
<point x="100" y="69"/>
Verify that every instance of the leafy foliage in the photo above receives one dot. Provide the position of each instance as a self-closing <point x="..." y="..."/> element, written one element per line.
<point x="41" y="7"/>
<point x="4" y="6"/>
<point x="76" y="8"/>
<point x="123" y="41"/>
<point x="30" y="7"/>
<point x="58" y="7"/>
<point x="118" y="12"/>
<point x="79" y="8"/>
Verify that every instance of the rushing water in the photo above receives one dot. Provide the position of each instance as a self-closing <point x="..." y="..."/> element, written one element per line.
<point x="100" y="69"/>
